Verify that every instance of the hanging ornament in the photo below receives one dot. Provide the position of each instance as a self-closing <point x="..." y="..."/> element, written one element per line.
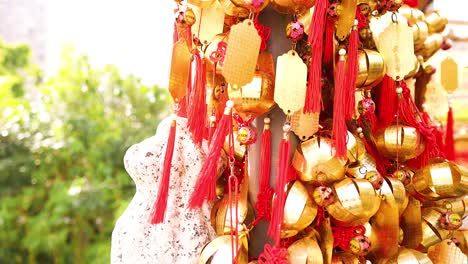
<point x="233" y="10"/>
<point x="314" y="160"/>
<point x="305" y="251"/>
<point x="242" y="51"/>
<point x="449" y="79"/>
<point x="346" y="18"/>
<point x="218" y="251"/>
<point x="404" y="142"/>
<point x="210" y="22"/>
<point x="397" y="48"/>
<point x="360" y="245"/>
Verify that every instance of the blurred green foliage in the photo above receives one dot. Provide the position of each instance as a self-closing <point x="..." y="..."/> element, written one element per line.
<point x="62" y="141"/>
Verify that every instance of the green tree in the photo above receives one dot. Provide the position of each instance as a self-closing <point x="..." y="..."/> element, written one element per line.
<point x="62" y="141"/>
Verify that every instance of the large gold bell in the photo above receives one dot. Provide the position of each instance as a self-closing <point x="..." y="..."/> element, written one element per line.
<point x="371" y="69"/>
<point x="406" y="256"/>
<point x="355" y="201"/>
<point x="305" y="251"/>
<point x="440" y="179"/>
<point x="345" y="258"/>
<point x="254" y="98"/>
<point x="404" y="142"/>
<point x="221" y="217"/>
<point x="291" y="6"/>
<point x="314" y="160"/>
<point x="219" y="250"/>
<point x="299" y="210"/>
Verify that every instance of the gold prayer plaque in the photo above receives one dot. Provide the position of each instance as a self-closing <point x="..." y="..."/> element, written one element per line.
<point x="449" y="74"/>
<point x="180" y="65"/>
<point x="291" y="82"/>
<point x="397" y="49"/>
<point x="304" y="125"/>
<point x="241" y="54"/>
<point x="346" y="18"/>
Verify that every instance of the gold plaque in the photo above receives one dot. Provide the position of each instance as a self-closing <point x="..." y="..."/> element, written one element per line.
<point x="241" y="53"/>
<point x="346" y="18"/>
<point x="291" y="82"/>
<point x="180" y="65"/>
<point x="449" y="74"/>
<point x="304" y="125"/>
<point x="397" y="48"/>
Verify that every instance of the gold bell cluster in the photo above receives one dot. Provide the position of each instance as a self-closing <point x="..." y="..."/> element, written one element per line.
<point x="371" y="204"/>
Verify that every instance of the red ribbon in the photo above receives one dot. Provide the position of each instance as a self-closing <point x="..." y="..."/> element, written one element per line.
<point x="263" y="32"/>
<point x="217" y="56"/>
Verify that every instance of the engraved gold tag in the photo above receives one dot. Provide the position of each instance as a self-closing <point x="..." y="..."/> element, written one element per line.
<point x="241" y="53"/>
<point x="304" y="125"/>
<point x="291" y="82"/>
<point x="397" y="49"/>
<point x="209" y="23"/>
<point x="179" y="69"/>
<point x="449" y="74"/>
<point x="346" y="18"/>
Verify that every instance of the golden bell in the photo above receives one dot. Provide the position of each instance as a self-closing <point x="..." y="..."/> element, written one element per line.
<point x="399" y="193"/>
<point x="356" y="148"/>
<point x="447" y="252"/>
<point x="413" y="15"/>
<point x="404" y="142"/>
<point x="232" y="10"/>
<point x="219" y="250"/>
<point x="291" y="6"/>
<point x="299" y="210"/>
<point x="314" y="161"/>
<point x="221" y="217"/>
<point x="355" y="201"/>
<point x="420" y="34"/>
<point x="201" y="3"/>
<point x="407" y="256"/>
<point x="431" y="45"/>
<point x="462" y="237"/>
<point x="440" y="179"/>
<point x="371" y="69"/>
<point x="248" y="4"/>
<point x="435" y="22"/>
<point x="254" y="98"/>
<point x="361" y="167"/>
<point x="305" y="251"/>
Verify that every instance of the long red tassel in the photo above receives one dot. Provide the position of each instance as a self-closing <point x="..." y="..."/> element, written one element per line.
<point x="387" y="102"/>
<point x="196" y="121"/>
<point x="205" y="188"/>
<point x="410" y="115"/>
<point x="313" y="101"/>
<point x="352" y="71"/>
<point x="449" y="141"/>
<point x="159" y="207"/>
<point x="339" y="122"/>
<point x="274" y="230"/>
<point x="262" y="206"/>
<point x="329" y="50"/>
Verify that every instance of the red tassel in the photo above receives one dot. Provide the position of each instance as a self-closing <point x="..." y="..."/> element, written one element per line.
<point x="339" y="101"/>
<point x="274" y="230"/>
<point x="196" y="122"/>
<point x="449" y="141"/>
<point x="262" y="206"/>
<point x="205" y="188"/>
<point x="329" y="50"/>
<point x="352" y="71"/>
<point x="386" y="102"/>
<point x="410" y="115"/>
<point x="159" y="208"/>
<point x="313" y="101"/>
